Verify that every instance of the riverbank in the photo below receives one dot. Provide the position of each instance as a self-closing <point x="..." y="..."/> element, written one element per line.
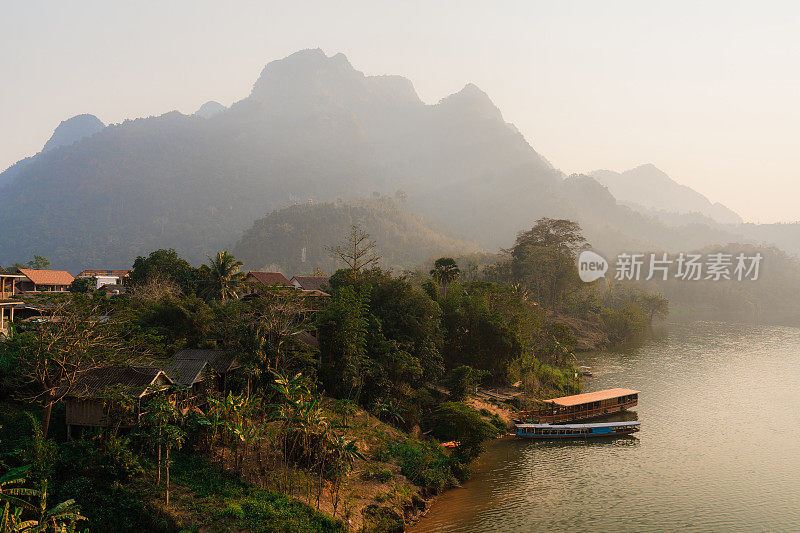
<point x="709" y="476"/>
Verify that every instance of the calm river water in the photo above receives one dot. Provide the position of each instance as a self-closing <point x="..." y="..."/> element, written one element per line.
<point x="719" y="448"/>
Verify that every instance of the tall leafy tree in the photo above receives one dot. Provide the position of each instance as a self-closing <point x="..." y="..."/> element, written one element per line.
<point x="165" y="265"/>
<point x="543" y="259"/>
<point x="445" y="271"/>
<point x="223" y="276"/>
<point x="343" y="342"/>
<point x="51" y="355"/>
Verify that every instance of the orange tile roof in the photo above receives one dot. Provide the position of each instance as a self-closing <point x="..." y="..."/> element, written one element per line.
<point x="48" y="277"/>
<point x="578" y="399"/>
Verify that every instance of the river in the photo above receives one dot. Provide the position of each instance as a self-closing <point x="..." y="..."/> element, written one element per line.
<point x="719" y="448"/>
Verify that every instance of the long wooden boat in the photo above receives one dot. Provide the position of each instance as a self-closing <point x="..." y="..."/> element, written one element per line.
<point x="576" y="431"/>
<point x="581" y="406"/>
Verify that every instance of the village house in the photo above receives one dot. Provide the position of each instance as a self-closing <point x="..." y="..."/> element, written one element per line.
<point x="256" y="280"/>
<point x="44" y="280"/>
<point x="94" y="398"/>
<point x="310" y="283"/>
<point x="8" y="304"/>
<point x="188" y="362"/>
<point x="114" y="279"/>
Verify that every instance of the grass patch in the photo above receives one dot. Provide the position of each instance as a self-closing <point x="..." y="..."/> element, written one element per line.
<point x="227" y="503"/>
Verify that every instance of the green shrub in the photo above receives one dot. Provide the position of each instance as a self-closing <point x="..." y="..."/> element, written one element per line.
<point x="382" y="474"/>
<point x="425" y="464"/>
<point x="381" y="520"/>
<point x="499" y="423"/>
<point x="233" y="511"/>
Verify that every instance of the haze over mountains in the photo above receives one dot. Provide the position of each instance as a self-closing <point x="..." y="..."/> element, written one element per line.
<point x="314" y="129"/>
<point x="648" y="189"/>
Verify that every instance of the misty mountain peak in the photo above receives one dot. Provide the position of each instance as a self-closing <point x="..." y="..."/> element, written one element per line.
<point x="73" y="130"/>
<point x="646" y="187"/>
<point x="309" y="82"/>
<point x="303" y="65"/>
<point x="471" y="99"/>
<point x="209" y="109"/>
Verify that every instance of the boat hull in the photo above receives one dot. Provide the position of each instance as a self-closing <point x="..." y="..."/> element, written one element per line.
<point x="576" y="431"/>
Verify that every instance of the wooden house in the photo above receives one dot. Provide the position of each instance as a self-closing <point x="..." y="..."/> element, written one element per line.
<point x="96" y="392"/>
<point x="194" y="378"/>
<point x="44" y="280"/>
<point x="219" y="366"/>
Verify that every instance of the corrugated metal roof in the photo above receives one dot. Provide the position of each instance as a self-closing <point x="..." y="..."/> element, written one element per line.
<point x="220" y="360"/>
<point x="185" y="372"/>
<point x="578" y="399"/>
<point x="48" y="277"/>
<point x="133" y="379"/>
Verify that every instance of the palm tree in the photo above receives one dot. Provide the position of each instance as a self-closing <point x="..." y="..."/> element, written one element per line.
<point x="445" y="271"/>
<point x="345" y="453"/>
<point x="224" y="276"/>
<point x="10" y="492"/>
<point x="55" y="519"/>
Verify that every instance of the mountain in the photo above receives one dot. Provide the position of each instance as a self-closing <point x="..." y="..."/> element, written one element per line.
<point x="648" y="189"/>
<point x="296" y="239"/>
<point x="209" y="109"/>
<point x="67" y="133"/>
<point x="73" y="130"/>
<point x="314" y="129"/>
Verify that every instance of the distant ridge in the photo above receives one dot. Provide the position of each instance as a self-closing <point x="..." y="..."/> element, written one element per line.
<point x="66" y="133"/>
<point x="313" y="130"/>
<point x="648" y="189"/>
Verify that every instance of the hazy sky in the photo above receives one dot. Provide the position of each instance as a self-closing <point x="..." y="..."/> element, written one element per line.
<point x="707" y="91"/>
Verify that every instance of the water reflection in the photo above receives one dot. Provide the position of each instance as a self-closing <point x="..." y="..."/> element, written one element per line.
<point x="717" y="449"/>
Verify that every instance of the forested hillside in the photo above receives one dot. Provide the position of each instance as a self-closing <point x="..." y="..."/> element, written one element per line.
<point x="296" y="239"/>
<point x="312" y="129"/>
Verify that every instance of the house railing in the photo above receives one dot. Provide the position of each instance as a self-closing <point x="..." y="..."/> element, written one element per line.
<point x="547" y="416"/>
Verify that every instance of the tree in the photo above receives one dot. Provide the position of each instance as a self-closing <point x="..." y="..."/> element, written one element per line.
<point x="445" y="271"/>
<point x="83" y="285"/>
<point x="463" y="381"/>
<point x="167" y="265"/>
<point x="344" y="454"/>
<point x="404" y="334"/>
<point x="455" y="421"/>
<point x="342" y="330"/>
<point x="656" y="305"/>
<point x="271" y="327"/>
<point x="223" y="277"/>
<point x="76" y="338"/>
<point x="357" y="252"/>
<point x="162" y="418"/>
<point x="543" y="258"/>
<point x="38" y="263"/>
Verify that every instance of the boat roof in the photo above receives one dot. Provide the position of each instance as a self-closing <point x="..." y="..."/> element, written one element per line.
<point x="578" y="426"/>
<point x="578" y="399"/>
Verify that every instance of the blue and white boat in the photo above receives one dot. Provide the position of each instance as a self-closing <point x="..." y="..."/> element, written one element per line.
<point x="576" y="431"/>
